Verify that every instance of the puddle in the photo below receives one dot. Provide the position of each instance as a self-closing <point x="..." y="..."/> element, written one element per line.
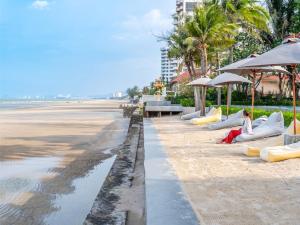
<point x="19" y="178"/>
<point x="73" y="208"/>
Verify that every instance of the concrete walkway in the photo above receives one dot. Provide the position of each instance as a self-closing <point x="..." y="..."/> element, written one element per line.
<point x="166" y="203"/>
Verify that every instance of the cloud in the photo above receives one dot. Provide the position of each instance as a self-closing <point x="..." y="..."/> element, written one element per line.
<point x="151" y="23"/>
<point x="153" y="20"/>
<point x="40" y="4"/>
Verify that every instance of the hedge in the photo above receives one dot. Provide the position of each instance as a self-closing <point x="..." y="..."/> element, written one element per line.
<point x="187" y="102"/>
<point x="288" y="116"/>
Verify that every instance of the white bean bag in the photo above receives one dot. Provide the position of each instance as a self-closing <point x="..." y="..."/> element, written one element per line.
<point x="233" y="120"/>
<point x="290" y="129"/>
<point x="211" y="111"/>
<point x="191" y="116"/>
<point x="259" y="121"/>
<point x="273" y="127"/>
<point x="213" y="116"/>
<point x="280" y="153"/>
<point x="197" y="114"/>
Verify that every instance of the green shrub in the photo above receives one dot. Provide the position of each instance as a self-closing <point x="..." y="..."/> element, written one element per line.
<point x="187" y="102"/>
<point x="288" y="116"/>
<point x="209" y="103"/>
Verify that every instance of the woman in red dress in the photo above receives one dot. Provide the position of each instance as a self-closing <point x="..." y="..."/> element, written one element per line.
<point x="247" y="128"/>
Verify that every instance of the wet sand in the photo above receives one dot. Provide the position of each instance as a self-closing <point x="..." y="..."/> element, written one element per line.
<point x="49" y="151"/>
<point x="226" y="187"/>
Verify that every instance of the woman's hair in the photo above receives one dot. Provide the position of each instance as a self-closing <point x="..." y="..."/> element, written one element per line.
<point x="246" y="113"/>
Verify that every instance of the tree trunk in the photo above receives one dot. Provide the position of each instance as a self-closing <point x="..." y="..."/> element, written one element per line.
<point x="203" y="60"/>
<point x="187" y="63"/>
<point x="193" y="67"/>
<point x="231" y="54"/>
<point x="230" y="86"/>
<point x="197" y="96"/>
<point x="203" y="101"/>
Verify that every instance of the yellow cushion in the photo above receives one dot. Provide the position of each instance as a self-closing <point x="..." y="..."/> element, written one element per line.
<point x="253" y="152"/>
<point x="215" y="117"/>
<point x="290" y="129"/>
<point x="274" y="156"/>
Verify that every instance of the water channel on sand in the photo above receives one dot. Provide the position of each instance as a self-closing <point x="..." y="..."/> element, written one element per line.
<point x="54" y="159"/>
<point x="85" y="191"/>
<point x="19" y="178"/>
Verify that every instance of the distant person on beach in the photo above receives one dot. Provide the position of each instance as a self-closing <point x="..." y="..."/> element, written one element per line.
<point x="247" y="128"/>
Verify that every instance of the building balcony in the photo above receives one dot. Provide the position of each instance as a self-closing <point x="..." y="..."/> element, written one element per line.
<point x="179" y="2"/>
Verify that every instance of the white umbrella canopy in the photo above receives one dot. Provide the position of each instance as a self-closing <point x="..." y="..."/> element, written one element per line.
<point x="234" y="66"/>
<point x="286" y="54"/>
<point x="227" y="79"/>
<point x="203" y="81"/>
<point x="239" y="68"/>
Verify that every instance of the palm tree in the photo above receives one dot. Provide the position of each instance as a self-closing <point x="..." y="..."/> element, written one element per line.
<point x="209" y="28"/>
<point x="250" y="16"/>
<point x="282" y="14"/>
<point x="181" y="50"/>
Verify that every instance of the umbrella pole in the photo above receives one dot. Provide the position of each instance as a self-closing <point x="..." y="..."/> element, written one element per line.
<point x="228" y="86"/>
<point x="201" y="98"/>
<point x="294" y="98"/>
<point x="253" y="94"/>
<point x="204" y="100"/>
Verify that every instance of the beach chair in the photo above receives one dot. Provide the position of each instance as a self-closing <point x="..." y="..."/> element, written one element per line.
<point x="191" y="116"/>
<point x="236" y="120"/>
<point x="197" y="114"/>
<point x="233" y="120"/>
<point x="259" y="121"/>
<point x="215" y="115"/>
<point x="274" y="126"/>
<point x="255" y="152"/>
<point x="290" y="129"/>
<point x="280" y="153"/>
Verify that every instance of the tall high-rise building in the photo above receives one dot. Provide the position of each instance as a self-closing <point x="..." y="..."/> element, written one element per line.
<point x="168" y="66"/>
<point x="185" y="8"/>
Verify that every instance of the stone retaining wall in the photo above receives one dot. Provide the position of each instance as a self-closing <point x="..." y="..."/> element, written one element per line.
<point x="108" y="208"/>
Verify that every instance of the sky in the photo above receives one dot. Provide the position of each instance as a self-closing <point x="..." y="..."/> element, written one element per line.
<point x="80" y="47"/>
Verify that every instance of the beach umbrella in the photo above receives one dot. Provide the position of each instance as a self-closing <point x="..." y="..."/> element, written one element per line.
<point x="204" y="83"/>
<point x="239" y="68"/>
<point x="286" y="54"/>
<point x="228" y="79"/>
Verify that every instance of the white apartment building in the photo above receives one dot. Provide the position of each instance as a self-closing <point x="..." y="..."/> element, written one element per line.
<point x="168" y="66"/>
<point x="185" y="8"/>
<point x="118" y="94"/>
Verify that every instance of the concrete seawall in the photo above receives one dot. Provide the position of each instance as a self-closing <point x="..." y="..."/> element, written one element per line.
<point x="121" y="199"/>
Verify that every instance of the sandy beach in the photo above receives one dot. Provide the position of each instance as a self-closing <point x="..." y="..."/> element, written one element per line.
<point x="223" y="185"/>
<point x="48" y="151"/>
